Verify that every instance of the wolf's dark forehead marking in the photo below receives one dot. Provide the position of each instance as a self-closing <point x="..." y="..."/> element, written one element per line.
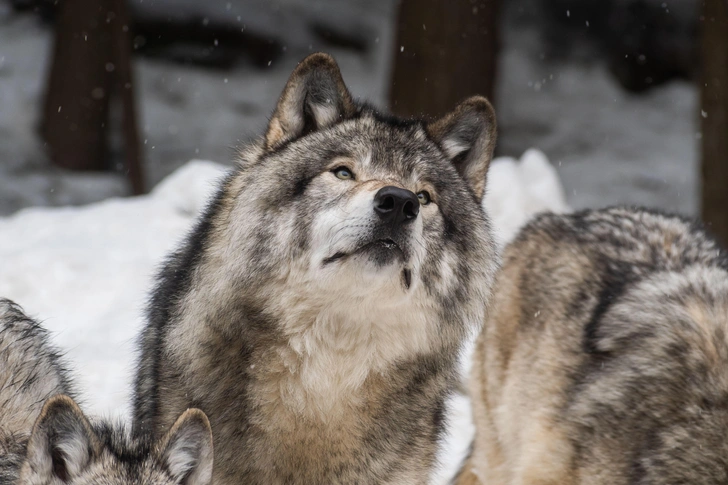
<point x="334" y="151"/>
<point x="385" y="144"/>
<point x="393" y="157"/>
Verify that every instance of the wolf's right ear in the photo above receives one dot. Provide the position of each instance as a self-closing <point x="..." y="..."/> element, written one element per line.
<point x="315" y="97"/>
<point x="61" y="445"/>
<point x="186" y="450"/>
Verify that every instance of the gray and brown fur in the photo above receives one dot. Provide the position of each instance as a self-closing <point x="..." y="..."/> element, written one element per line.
<point x="605" y="356"/>
<point x="321" y="343"/>
<point x="45" y="438"/>
<point x="31" y="371"/>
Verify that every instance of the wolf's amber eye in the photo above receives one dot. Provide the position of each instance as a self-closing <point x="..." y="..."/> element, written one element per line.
<point x="343" y="173"/>
<point x="424" y="197"/>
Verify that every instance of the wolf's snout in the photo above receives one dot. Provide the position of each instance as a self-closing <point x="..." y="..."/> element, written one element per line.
<point x="396" y="205"/>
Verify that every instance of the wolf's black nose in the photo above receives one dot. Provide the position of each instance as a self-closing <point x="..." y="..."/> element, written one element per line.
<point x="396" y="205"/>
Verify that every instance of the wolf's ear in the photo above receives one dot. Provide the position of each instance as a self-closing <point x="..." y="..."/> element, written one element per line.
<point x="314" y="97"/>
<point x="186" y="450"/>
<point x="62" y="443"/>
<point x="467" y="136"/>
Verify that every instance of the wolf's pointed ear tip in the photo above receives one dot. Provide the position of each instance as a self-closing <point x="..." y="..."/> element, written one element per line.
<point x="194" y="415"/>
<point x="479" y="104"/>
<point x="318" y="60"/>
<point x="59" y="402"/>
<point x="196" y="421"/>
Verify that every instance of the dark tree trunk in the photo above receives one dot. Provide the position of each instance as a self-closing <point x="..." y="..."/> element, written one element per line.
<point x="77" y="99"/>
<point x="446" y="50"/>
<point x="714" y="117"/>
<point x="91" y="62"/>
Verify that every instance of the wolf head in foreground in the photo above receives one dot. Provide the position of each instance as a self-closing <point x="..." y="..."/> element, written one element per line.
<point x="605" y="358"/>
<point x="317" y="310"/>
<point x="54" y="443"/>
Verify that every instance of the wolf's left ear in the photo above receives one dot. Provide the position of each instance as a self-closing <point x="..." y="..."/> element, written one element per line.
<point x="314" y="97"/>
<point x="467" y="136"/>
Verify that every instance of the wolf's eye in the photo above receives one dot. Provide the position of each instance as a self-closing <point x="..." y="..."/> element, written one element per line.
<point x="343" y="173"/>
<point x="424" y="197"/>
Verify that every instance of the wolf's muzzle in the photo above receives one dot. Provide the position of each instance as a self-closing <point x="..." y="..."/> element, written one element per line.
<point x="396" y="205"/>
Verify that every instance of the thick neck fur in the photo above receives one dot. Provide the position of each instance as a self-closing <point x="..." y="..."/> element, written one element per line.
<point x="321" y="352"/>
<point x="323" y="338"/>
<point x="330" y="354"/>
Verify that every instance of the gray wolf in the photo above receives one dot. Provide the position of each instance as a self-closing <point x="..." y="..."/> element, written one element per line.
<point x="317" y="310"/>
<point x="605" y="357"/>
<point x="45" y="438"/>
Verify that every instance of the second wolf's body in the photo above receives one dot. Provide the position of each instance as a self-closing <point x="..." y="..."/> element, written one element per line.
<point x="317" y="310"/>
<point x="45" y="438"/>
<point x="605" y="358"/>
<point x="31" y="371"/>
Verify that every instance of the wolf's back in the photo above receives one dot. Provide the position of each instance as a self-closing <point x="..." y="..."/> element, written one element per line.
<point x="604" y="359"/>
<point x="31" y="371"/>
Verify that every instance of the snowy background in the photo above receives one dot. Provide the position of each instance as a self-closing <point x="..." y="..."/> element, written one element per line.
<point x="555" y="92"/>
<point x="78" y="255"/>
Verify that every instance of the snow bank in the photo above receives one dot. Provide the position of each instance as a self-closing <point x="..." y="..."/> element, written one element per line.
<point x="518" y="189"/>
<point x="86" y="271"/>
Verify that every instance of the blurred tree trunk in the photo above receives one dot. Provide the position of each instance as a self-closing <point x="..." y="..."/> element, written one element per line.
<point x="714" y="117"/>
<point x="446" y="50"/>
<point x="77" y="96"/>
<point x="91" y="61"/>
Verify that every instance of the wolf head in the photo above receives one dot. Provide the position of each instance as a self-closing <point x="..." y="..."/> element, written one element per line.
<point x="342" y="231"/>
<point x="65" y="448"/>
<point x="360" y="203"/>
<point x="371" y="200"/>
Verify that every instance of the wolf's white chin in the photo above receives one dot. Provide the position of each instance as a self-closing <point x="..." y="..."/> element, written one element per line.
<point x="361" y="274"/>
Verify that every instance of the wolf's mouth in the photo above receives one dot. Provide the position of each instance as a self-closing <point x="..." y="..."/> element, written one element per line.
<point x="383" y="251"/>
<point x="381" y="243"/>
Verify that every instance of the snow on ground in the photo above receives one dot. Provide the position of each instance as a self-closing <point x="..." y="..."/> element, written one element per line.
<point x="518" y="189"/>
<point x="85" y="272"/>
